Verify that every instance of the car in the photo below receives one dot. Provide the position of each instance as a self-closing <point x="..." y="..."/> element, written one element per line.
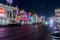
<point x="56" y="35"/>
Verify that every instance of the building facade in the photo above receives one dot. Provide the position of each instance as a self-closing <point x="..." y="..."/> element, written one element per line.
<point x="7" y="13"/>
<point x="23" y="17"/>
<point x="34" y="18"/>
<point x="57" y="17"/>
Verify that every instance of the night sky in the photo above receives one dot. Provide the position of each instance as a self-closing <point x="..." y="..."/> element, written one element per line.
<point x="41" y="7"/>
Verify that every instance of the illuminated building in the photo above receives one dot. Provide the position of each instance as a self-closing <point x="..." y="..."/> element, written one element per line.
<point x="57" y="12"/>
<point x="57" y="17"/>
<point x="40" y="20"/>
<point x="7" y="14"/>
<point x="23" y="17"/>
<point x="34" y="18"/>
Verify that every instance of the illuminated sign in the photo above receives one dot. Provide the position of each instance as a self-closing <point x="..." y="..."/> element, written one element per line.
<point x="2" y="12"/>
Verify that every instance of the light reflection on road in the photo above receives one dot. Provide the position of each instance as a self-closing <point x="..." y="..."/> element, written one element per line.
<point x="24" y="32"/>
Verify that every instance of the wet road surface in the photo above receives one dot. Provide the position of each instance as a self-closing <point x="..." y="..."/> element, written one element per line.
<point x="27" y="32"/>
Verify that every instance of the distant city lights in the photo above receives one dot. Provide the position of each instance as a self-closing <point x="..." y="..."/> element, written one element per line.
<point x="42" y="16"/>
<point x="51" y="22"/>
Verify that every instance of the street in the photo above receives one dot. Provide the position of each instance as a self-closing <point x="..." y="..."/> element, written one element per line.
<point x="26" y="32"/>
<point x="29" y="19"/>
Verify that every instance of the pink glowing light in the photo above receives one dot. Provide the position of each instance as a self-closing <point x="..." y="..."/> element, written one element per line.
<point x="9" y="1"/>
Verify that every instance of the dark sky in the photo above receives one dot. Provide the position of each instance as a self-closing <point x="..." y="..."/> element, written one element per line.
<point x="41" y="7"/>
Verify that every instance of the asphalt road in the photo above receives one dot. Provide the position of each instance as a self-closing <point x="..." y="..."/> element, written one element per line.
<point x="26" y="32"/>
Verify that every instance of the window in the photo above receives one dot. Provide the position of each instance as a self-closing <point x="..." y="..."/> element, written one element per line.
<point x="14" y="13"/>
<point x="9" y="14"/>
